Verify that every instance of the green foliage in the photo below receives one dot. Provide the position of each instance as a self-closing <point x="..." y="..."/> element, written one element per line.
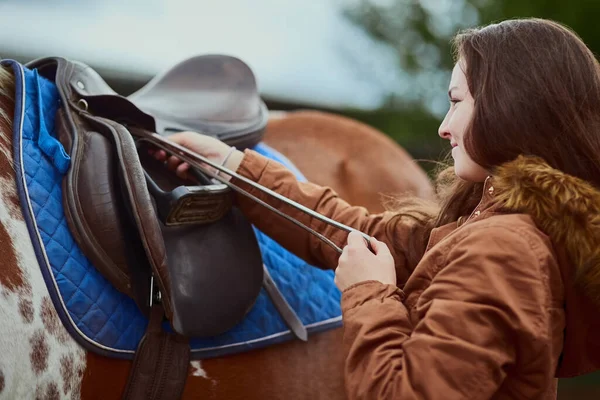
<point x="579" y="15"/>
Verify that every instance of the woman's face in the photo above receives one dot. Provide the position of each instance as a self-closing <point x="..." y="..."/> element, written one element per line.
<point x="455" y="124"/>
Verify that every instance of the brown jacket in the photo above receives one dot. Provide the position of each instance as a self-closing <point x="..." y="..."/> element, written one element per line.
<point x="488" y="311"/>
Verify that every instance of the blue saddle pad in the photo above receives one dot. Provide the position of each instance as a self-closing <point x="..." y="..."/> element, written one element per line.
<point x="98" y="316"/>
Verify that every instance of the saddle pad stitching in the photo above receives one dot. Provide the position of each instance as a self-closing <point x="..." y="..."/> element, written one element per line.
<point x="18" y="124"/>
<point x="74" y="292"/>
<point x="43" y="228"/>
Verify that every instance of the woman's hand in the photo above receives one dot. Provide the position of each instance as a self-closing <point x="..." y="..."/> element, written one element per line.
<point x="209" y="147"/>
<point x="358" y="264"/>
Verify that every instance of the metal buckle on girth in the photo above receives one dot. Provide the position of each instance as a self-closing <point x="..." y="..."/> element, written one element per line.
<point x="155" y="294"/>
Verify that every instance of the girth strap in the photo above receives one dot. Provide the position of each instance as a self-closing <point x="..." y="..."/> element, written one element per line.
<point x="288" y="314"/>
<point x="161" y="363"/>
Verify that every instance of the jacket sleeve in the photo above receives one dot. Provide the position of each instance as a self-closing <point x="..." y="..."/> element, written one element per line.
<point x="480" y="310"/>
<point x="399" y="233"/>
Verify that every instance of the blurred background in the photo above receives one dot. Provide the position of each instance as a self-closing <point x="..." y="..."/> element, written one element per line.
<point x="384" y="62"/>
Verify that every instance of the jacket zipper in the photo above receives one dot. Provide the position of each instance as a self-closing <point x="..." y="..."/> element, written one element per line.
<point x="480" y="201"/>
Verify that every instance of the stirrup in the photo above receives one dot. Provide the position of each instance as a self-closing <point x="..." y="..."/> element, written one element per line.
<point x="190" y="204"/>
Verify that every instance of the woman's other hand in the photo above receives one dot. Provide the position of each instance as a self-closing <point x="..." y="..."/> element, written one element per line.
<point x="207" y="146"/>
<point x="358" y="264"/>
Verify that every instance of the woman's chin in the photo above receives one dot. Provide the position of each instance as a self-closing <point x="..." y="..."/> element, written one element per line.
<point x="459" y="173"/>
<point x="470" y="174"/>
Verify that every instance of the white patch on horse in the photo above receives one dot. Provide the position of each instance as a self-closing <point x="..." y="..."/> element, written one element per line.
<point x="20" y="328"/>
<point x="197" y="369"/>
<point x="277" y="114"/>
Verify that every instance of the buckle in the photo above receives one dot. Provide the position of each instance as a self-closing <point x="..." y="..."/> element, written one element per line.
<point x="155" y="295"/>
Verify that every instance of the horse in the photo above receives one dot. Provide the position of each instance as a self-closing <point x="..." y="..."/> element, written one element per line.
<point x="359" y="162"/>
<point x="39" y="358"/>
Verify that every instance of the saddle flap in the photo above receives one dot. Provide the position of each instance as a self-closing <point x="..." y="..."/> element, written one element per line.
<point x="216" y="272"/>
<point x="140" y="207"/>
<point x="92" y="205"/>
<point x="214" y="263"/>
<point x="109" y="210"/>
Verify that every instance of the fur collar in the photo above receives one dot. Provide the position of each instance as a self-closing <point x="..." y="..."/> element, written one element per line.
<point x="565" y="207"/>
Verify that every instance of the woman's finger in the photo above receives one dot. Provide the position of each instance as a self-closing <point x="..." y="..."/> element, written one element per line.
<point x="380" y="248"/>
<point x="173" y="162"/>
<point x="182" y="170"/>
<point x="160" y="155"/>
<point x="374" y="244"/>
<point x="356" y="239"/>
<point x="343" y="257"/>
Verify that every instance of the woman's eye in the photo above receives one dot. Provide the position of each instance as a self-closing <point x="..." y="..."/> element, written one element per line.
<point x="454" y="101"/>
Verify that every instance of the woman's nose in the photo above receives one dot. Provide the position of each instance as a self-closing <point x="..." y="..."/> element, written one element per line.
<point x="443" y="130"/>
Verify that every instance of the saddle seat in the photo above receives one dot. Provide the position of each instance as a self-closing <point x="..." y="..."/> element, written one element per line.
<point x="213" y="94"/>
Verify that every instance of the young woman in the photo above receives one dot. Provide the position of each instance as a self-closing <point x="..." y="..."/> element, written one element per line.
<point x="494" y="291"/>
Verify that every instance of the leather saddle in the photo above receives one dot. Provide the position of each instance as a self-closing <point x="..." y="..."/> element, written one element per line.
<point x="115" y="195"/>
<point x="180" y="251"/>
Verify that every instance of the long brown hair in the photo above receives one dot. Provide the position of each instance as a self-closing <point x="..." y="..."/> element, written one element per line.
<point x="536" y="88"/>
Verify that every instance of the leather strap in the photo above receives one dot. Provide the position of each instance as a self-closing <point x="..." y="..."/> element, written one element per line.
<point x="283" y="307"/>
<point x="161" y="363"/>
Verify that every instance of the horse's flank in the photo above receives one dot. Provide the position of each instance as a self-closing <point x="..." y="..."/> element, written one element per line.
<point x="13" y="279"/>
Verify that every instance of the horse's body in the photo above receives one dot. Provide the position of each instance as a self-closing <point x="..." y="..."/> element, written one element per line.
<point x="355" y="159"/>
<point x="39" y="359"/>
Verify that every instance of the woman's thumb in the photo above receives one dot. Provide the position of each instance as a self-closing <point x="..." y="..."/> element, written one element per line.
<point x="181" y="138"/>
<point x="374" y="244"/>
<point x="379" y="247"/>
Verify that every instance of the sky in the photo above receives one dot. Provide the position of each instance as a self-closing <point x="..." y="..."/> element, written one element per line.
<point x="300" y="50"/>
